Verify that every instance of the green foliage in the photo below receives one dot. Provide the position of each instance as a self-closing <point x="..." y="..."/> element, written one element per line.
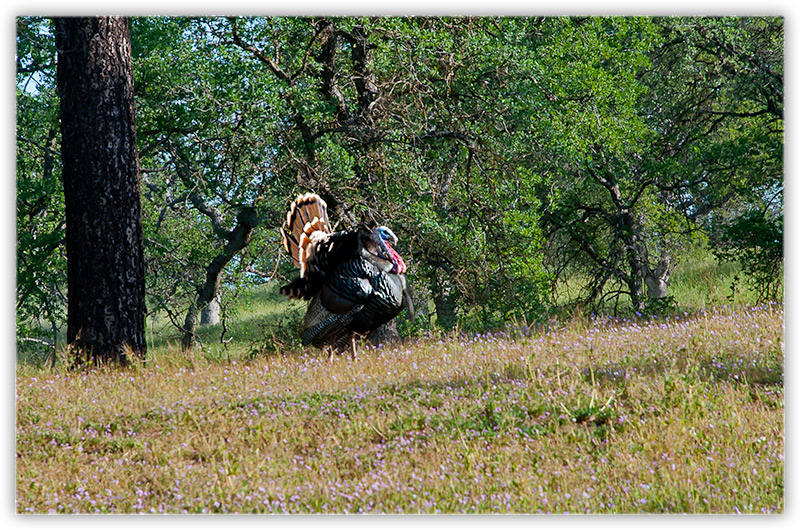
<point x="653" y="148"/>
<point x="41" y="263"/>
<point x="205" y="138"/>
<point x="756" y="242"/>
<point x="664" y="306"/>
<point x="512" y="156"/>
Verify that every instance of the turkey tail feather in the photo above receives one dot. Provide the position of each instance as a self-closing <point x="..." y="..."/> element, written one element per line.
<point x="307" y="214"/>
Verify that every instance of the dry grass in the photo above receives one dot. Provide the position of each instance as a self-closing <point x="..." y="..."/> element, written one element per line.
<point x="599" y="416"/>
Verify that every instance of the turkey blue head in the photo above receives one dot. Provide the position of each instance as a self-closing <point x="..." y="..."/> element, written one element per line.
<point x="387" y="238"/>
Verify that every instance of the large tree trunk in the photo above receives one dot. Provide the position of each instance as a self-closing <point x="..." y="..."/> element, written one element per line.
<point x="625" y="226"/>
<point x="105" y="266"/>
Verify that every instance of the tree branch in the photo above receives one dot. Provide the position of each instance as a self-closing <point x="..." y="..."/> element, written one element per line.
<point x="258" y="54"/>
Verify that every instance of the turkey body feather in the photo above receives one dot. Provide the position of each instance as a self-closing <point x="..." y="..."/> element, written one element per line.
<point x="354" y="280"/>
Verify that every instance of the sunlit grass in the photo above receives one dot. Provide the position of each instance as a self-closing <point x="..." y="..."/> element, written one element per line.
<point x="693" y="285"/>
<point x="606" y="415"/>
<point x="704" y="283"/>
<point x="251" y="320"/>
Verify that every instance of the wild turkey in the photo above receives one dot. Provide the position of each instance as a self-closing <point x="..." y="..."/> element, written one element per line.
<point x="354" y="280"/>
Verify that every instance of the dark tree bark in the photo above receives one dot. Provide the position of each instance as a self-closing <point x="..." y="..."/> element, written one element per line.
<point x="105" y="266"/>
<point x="385" y="333"/>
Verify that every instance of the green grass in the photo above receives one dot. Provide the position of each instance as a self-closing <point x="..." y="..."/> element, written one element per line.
<point x="709" y="283"/>
<point x="607" y="415"/>
<point x="693" y="285"/>
<point x="256" y="322"/>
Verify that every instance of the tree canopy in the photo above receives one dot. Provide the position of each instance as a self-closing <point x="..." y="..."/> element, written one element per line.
<point x="510" y="155"/>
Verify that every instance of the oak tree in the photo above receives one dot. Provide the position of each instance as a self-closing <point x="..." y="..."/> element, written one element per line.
<point x="105" y="267"/>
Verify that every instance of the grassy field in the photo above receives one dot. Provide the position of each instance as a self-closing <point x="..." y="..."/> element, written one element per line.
<point x="681" y="414"/>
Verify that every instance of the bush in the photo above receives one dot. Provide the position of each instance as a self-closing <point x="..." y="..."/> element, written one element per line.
<point x="756" y="242"/>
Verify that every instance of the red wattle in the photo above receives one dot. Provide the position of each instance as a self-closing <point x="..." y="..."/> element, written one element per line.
<point x="399" y="266"/>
